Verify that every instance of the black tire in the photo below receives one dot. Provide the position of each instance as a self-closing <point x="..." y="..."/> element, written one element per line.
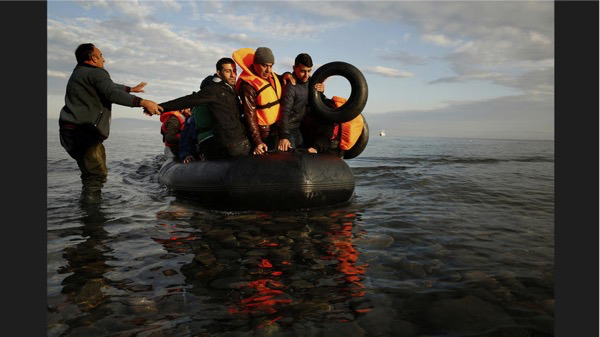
<point x="360" y="144"/>
<point x="358" y="97"/>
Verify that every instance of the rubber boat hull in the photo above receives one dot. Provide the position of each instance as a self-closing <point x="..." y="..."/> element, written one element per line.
<point x="275" y="181"/>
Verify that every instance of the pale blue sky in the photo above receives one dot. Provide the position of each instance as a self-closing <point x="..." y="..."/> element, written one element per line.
<point x="477" y="69"/>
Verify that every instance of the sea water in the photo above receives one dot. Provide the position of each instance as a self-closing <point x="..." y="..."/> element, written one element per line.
<point x="444" y="237"/>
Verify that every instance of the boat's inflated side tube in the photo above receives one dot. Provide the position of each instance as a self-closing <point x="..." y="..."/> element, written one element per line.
<point x="358" y="96"/>
<point x="275" y="181"/>
<point x="360" y="144"/>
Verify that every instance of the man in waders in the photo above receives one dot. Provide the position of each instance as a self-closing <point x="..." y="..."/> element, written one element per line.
<point x="85" y="119"/>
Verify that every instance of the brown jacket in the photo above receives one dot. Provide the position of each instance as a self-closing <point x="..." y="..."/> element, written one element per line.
<point x="256" y="133"/>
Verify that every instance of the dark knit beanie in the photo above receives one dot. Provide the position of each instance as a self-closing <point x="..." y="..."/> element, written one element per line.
<point x="263" y="55"/>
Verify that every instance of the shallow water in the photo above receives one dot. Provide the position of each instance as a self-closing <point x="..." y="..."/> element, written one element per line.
<point x="445" y="237"/>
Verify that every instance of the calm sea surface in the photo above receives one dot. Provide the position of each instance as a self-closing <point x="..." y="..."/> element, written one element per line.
<point x="445" y="237"/>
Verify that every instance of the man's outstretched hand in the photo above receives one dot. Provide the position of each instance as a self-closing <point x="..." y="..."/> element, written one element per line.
<point x="139" y="87"/>
<point x="151" y="108"/>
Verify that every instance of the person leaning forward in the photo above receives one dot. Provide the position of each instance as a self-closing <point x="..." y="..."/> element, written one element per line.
<point x="85" y="118"/>
<point x="225" y="109"/>
<point x="295" y="103"/>
<point x="260" y="89"/>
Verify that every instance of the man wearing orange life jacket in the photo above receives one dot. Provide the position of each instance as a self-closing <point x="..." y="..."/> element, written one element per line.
<point x="172" y="125"/>
<point x="260" y="90"/>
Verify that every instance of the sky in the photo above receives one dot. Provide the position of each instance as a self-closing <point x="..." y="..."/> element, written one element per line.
<point x="472" y="69"/>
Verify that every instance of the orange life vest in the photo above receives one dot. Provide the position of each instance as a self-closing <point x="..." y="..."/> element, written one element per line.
<point x="164" y="117"/>
<point x="351" y="130"/>
<point x="268" y="107"/>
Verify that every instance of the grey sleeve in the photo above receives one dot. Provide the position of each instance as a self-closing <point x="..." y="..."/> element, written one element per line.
<point x="124" y="87"/>
<point x="111" y="91"/>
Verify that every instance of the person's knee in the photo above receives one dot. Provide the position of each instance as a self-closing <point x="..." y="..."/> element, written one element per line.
<point x="93" y="166"/>
<point x="239" y="149"/>
<point x="95" y="159"/>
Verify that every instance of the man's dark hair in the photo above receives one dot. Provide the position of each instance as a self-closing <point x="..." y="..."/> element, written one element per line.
<point x="224" y="60"/>
<point x="303" y="59"/>
<point x="84" y="52"/>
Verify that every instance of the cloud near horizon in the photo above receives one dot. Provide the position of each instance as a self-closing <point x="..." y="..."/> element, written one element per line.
<point x="388" y="72"/>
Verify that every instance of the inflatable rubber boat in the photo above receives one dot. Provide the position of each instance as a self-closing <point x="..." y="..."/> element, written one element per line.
<point x="279" y="180"/>
<point x="273" y="181"/>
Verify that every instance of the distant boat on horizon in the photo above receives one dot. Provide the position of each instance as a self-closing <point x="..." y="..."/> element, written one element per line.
<point x="382" y="133"/>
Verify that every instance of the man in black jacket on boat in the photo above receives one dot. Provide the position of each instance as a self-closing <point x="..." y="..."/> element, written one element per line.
<point x="294" y="104"/>
<point x="225" y="109"/>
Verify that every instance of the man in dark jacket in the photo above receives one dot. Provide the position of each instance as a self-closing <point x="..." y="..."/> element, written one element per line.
<point x="230" y="138"/>
<point x="197" y="137"/>
<point x="85" y="119"/>
<point x="294" y="104"/>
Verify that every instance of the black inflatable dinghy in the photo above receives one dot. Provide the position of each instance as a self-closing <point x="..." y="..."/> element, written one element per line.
<point x="274" y="181"/>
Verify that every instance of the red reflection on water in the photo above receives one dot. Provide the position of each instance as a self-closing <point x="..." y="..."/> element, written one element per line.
<point x="270" y="293"/>
<point x="173" y="243"/>
<point x="265" y="264"/>
<point x="266" y="243"/>
<point x="263" y="300"/>
<point x="343" y="250"/>
<point x="270" y="322"/>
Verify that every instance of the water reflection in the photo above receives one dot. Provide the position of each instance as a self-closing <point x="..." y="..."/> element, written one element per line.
<point x="269" y="270"/>
<point x="191" y="272"/>
<point x="87" y="262"/>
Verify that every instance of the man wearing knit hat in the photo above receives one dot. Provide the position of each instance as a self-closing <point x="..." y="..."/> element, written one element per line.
<point x="260" y="90"/>
<point x="264" y="55"/>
